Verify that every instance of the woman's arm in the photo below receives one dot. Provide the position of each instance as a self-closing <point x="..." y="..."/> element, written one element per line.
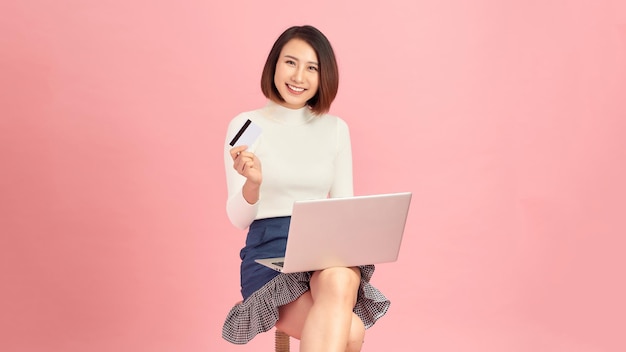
<point x="243" y="179"/>
<point x="342" y="182"/>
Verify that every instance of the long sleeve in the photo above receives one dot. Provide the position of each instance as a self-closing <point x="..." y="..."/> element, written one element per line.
<point x="239" y="211"/>
<point x="342" y="185"/>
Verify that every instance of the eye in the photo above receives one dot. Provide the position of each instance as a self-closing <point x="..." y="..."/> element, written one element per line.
<point x="313" y="68"/>
<point x="290" y="62"/>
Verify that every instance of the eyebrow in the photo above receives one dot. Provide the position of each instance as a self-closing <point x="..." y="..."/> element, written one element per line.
<point x="295" y="58"/>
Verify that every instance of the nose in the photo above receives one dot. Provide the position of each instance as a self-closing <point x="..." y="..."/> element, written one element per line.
<point x="298" y="75"/>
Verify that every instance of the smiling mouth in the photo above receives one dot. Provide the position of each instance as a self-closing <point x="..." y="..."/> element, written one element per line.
<point x="294" y="89"/>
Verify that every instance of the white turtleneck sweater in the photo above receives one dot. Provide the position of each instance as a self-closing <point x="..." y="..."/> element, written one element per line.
<point x="302" y="156"/>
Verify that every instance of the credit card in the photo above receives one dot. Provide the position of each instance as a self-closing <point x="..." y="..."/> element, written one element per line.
<point x="247" y="134"/>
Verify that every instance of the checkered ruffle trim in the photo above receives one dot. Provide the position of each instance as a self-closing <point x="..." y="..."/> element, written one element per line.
<point x="259" y="313"/>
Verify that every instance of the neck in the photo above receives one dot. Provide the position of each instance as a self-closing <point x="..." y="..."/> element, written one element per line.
<point x="287" y="116"/>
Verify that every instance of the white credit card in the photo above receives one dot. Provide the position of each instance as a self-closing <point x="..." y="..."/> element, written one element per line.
<point x="247" y="134"/>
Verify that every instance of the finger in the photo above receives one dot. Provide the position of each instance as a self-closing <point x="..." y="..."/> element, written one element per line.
<point x="239" y="164"/>
<point x="248" y="165"/>
<point x="236" y="151"/>
<point x="245" y="157"/>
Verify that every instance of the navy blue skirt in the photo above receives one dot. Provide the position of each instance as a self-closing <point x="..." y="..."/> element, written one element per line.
<point x="267" y="238"/>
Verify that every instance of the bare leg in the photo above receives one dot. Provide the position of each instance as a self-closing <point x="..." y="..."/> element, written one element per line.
<point x="294" y="315"/>
<point x="327" y="326"/>
<point x="357" y="334"/>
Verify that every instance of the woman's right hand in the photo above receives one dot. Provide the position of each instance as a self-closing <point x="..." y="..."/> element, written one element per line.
<point x="247" y="164"/>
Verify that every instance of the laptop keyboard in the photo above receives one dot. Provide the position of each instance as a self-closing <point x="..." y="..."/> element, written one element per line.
<point x="280" y="264"/>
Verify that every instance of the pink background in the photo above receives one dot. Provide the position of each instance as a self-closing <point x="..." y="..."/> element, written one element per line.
<point x="506" y="119"/>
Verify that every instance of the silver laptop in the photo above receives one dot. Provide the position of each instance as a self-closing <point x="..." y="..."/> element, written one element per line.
<point x="351" y="231"/>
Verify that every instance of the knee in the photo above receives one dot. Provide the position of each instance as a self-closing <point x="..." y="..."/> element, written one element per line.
<point x="340" y="281"/>
<point x="357" y="335"/>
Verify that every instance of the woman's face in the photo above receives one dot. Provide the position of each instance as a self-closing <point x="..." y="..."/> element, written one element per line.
<point x="297" y="74"/>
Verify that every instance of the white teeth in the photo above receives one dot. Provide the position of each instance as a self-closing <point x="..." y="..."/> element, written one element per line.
<point x="297" y="89"/>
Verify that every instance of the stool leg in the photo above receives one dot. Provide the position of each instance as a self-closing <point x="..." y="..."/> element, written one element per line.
<point x="281" y="341"/>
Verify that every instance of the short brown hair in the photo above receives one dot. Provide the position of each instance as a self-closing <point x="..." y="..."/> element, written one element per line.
<point x="328" y="70"/>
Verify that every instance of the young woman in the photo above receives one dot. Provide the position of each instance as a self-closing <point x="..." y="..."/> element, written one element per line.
<point x="303" y="153"/>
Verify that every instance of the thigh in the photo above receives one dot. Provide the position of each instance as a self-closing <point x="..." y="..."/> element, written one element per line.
<point x="292" y="316"/>
<point x="357" y="334"/>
